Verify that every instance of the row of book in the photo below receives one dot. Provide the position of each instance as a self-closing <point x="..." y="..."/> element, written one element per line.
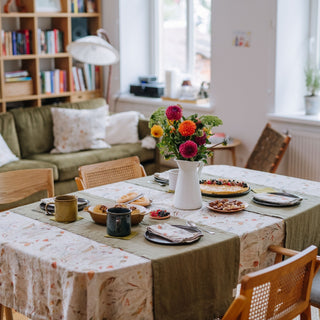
<point x="53" y="82"/>
<point x="79" y="6"/>
<point x="50" y="41"/>
<point x="17" y="76"/>
<point x="16" y="42"/>
<point x="85" y="77"/>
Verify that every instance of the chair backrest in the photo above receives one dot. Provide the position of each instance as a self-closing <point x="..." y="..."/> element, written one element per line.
<point x="269" y="150"/>
<point x="280" y="292"/>
<point x="20" y="184"/>
<point x="98" y="174"/>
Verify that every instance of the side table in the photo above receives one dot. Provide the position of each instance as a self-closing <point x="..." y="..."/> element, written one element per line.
<point x="230" y="146"/>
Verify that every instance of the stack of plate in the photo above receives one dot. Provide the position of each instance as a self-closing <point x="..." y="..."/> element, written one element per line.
<point x="277" y="199"/>
<point x="160" y="178"/>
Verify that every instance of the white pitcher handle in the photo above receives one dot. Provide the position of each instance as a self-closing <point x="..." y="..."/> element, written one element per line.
<point x="200" y="167"/>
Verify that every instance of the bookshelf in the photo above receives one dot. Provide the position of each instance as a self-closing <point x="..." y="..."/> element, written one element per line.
<point x="35" y="41"/>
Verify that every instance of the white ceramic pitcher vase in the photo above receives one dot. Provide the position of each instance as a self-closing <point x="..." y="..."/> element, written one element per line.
<point x="187" y="195"/>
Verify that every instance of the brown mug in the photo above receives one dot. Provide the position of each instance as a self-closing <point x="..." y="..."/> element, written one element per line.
<point x="66" y="208"/>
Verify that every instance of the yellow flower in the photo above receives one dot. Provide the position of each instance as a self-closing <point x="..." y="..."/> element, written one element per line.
<point x="157" y="131"/>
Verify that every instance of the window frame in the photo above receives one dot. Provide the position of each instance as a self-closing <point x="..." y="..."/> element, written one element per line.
<point x="156" y="38"/>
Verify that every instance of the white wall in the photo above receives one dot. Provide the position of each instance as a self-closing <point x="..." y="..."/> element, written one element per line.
<point x="243" y="77"/>
<point x="245" y="81"/>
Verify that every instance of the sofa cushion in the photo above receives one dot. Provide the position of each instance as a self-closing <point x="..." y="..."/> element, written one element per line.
<point x="35" y="127"/>
<point x="30" y="164"/>
<point x="122" y="128"/>
<point x="76" y="130"/>
<point x="9" y="133"/>
<point x="68" y="163"/>
<point x="6" y="155"/>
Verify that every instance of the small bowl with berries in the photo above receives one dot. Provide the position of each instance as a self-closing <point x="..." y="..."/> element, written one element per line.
<point x="159" y="214"/>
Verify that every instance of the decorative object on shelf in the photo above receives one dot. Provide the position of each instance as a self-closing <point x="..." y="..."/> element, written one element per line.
<point x="188" y="91"/>
<point x="14" y="6"/>
<point x="204" y="90"/>
<point x="95" y="50"/>
<point x="48" y="6"/>
<point x="184" y="139"/>
<point x="312" y="101"/>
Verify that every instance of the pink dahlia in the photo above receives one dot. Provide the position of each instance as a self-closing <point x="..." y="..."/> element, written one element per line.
<point x="201" y="140"/>
<point x="188" y="149"/>
<point x="174" y="113"/>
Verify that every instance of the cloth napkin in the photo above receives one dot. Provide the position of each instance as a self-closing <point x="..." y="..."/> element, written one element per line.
<point x="47" y="200"/>
<point x="276" y="198"/>
<point x="173" y="233"/>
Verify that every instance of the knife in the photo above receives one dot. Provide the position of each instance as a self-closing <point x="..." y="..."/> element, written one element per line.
<point x="135" y="198"/>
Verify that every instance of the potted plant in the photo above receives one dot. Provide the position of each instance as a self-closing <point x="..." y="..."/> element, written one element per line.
<point x="312" y="101"/>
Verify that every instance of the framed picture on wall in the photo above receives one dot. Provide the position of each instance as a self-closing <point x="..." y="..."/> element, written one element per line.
<point x="48" y="6"/>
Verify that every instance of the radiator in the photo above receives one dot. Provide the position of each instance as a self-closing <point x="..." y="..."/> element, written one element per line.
<point x="303" y="158"/>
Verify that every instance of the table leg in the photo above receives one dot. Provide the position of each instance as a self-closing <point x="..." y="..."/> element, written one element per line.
<point x="8" y="313"/>
<point x="233" y="153"/>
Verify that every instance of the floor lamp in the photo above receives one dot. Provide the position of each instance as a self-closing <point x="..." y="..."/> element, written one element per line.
<point x="95" y="50"/>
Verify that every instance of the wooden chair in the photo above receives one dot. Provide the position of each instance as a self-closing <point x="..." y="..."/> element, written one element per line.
<point x="280" y="292"/>
<point x="315" y="289"/>
<point x="94" y="175"/>
<point x="269" y="150"/>
<point x="20" y="184"/>
<point x="17" y="185"/>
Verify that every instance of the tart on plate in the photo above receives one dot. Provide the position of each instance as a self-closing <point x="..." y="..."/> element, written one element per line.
<point x="143" y="201"/>
<point x="223" y="187"/>
<point x="227" y="206"/>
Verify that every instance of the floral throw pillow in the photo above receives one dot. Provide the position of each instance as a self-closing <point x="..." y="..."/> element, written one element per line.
<point x="122" y="127"/>
<point x="76" y="130"/>
<point x="6" y="155"/>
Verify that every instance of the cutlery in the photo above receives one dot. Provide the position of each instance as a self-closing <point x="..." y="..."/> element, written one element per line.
<point x="162" y="184"/>
<point x="192" y="224"/>
<point x="135" y="198"/>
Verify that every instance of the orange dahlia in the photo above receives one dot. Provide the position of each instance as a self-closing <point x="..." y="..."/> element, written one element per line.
<point x="187" y="128"/>
<point x="156" y="131"/>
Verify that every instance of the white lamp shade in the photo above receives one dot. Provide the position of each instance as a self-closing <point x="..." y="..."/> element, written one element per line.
<point x="93" y="50"/>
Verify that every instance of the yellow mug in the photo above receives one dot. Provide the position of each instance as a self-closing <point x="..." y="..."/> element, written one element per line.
<point x="66" y="208"/>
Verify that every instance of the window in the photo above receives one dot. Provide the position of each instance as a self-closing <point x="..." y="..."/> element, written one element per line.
<point x="183" y="38"/>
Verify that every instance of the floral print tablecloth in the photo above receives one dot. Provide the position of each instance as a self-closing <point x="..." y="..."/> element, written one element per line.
<point x="49" y="273"/>
<point x="88" y="280"/>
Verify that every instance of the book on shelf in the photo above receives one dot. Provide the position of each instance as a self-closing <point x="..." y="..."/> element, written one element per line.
<point x="16" y="42"/>
<point x="18" y="79"/>
<point x="53" y="81"/>
<point x="78" y="6"/>
<point x="17" y="73"/>
<point x="50" y="41"/>
<point x="84" y="77"/>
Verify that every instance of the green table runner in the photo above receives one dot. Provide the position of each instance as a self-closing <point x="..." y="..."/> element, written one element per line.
<point x="189" y="281"/>
<point x="302" y="221"/>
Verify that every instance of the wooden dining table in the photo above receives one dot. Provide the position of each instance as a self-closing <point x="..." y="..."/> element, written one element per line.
<point x="51" y="270"/>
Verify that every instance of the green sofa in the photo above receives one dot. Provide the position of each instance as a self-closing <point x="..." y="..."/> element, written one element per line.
<point x="29" y="134"/>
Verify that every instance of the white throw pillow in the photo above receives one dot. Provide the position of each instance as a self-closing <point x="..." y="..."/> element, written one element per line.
<point x="6" y="155"/>
<point x="122" y="127"/>
<point x="76" y="130"/>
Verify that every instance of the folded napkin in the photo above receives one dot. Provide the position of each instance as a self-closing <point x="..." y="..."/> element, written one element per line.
<point x="276" y="198"/>
<point x="173" y="233"/>
<point x="47" y="200"/>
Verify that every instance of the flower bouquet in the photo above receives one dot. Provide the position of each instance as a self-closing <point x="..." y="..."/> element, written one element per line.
<point x="182" y="138"/>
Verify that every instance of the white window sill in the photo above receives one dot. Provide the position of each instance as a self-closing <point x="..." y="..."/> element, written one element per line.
<point x="158" y="102"/>
<point x="298" y="118"/>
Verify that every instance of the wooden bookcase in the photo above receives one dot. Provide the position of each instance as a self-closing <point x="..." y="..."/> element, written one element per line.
<point x="29" y="18"/>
